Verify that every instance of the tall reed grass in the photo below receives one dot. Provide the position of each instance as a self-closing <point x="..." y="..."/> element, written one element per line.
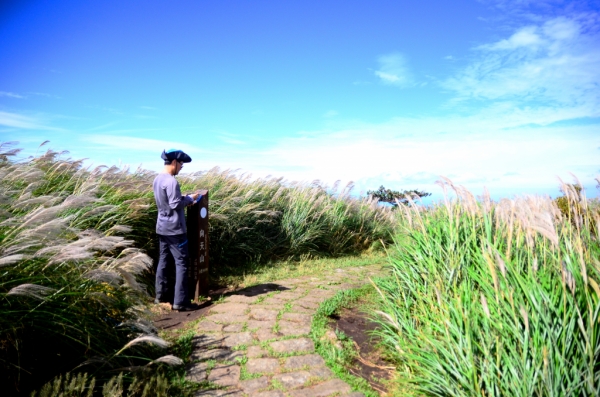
<point x="495" y="298"/>
<point x="76" y="248"/>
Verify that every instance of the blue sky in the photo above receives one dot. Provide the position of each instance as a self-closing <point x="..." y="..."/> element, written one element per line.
<point x="502" y="94"/>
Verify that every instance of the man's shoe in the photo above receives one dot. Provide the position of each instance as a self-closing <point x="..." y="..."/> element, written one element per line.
<point x="186" y="308"/>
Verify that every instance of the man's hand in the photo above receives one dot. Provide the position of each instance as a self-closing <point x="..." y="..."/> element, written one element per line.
<point x="194" y="196"/>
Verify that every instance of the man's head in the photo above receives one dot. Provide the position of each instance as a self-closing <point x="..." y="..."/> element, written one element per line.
<point x="174" y="160"/>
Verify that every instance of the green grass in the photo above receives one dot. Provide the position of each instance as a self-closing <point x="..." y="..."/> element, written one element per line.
<point x="255" y="274"/>
<point x="494" y="299"/>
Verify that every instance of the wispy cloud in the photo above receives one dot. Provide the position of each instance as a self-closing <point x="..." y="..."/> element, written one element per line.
<point x="474" y="151"/>
<point x="114" y="111"/>
<point x="129" y="143"/>
<point x="12" y="95"/>
<point x="330" y="113"/>
<point x="553" y="65"/>
<point x="20" y="121"/>
<point x="393" y="70"/>
<point x="231" y="139"/>
<point x="43" y="94"/>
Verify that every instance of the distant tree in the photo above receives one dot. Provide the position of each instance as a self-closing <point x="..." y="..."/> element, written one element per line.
<point x="394" y="196"/>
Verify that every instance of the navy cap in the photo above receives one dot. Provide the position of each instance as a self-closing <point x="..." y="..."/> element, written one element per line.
<point x="175" y="154"/>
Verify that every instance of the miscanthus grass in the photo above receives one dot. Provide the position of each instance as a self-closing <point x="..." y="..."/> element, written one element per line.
<point x="76" y="249"/>
<point x="495" y="298"/>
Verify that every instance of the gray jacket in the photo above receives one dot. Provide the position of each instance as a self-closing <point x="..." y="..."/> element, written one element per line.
<point x="171" y="204"/>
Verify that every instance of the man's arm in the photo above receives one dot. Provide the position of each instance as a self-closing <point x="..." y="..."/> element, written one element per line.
<point x="176" y="200"/>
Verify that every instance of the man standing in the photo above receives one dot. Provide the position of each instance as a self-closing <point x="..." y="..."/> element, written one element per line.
<point x="171" y="230"/>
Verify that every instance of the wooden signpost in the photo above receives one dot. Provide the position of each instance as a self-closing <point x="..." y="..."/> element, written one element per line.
<point x="197" y="231"/>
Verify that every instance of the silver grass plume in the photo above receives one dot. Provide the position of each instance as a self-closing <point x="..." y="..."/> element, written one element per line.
<point x="484" y="304"/>
<point x="525" y="318"/>
<point x="14" y="249"/>
<point x="170" y="359"/>
<point x="135" y="264"/>
<point x="99" y="210"/>
<point x="149" y="339"/>
<point x="501" y="265"/>
<point x="129" y="279"/>
<point x="120" y="229"/>
<point x="78" y="201"/>
<point x="32" y="290"/>
<point x="145" y="326"/>
<point x="71" y="253"/>
<point x="103" y="276"/>
<point x="45" y="201"/>
<point x="10" y="259"/>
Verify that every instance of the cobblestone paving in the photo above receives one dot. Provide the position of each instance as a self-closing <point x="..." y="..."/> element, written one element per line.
<point x="256" y="343"/>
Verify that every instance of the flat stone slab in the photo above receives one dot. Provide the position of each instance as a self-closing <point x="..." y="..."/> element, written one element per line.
<point x="308" y="360"/>
<point x="227" y="318"/>
<point x="241" y="299"/>
<point x="276" y="308"/>
<point x="321" y="372"/>
<point x="275" y="300"/>
<point x="293" y="345"/>
<point x="256" y="352"/>
<point x="256" y="324"/>
<point x="288" y="295"/>
<point x="262" y="365"/>
<point x="321" y="293"/>
<point x="242" y="338"/>
<point x="292" y="380"/>
<point x="289" y="328"/>
<point x="225" y="375"/>
<point x="265" y="334"/>
<point x="306" y="304"/>
<point x="216" y="354"/>
<point x="253" y="385"/>
<point x="209" y="326"/>
<point x="219" y="393"/>
<point x="300" y="309"/>
<point x="271" y="393"/>
<point x="207" y="341"/>
<point x="236" y="327"/>
<point x="263" y="314"/>
<point x="230" y="307"/>
<point x="323" y="389"/>
<point x="297" y="317"/>
<point x="197" y="372"/>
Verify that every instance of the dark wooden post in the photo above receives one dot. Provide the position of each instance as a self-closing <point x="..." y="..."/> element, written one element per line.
<point x="197" y="225"/>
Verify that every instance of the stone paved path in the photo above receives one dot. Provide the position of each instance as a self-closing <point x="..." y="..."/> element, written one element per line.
<point x="256" y="343"/>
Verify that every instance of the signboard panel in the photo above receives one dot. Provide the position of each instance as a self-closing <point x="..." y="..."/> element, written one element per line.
<point x="197" y="230"/>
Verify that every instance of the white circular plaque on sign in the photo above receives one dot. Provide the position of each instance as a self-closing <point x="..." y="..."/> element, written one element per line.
<point x="203" y="212"/>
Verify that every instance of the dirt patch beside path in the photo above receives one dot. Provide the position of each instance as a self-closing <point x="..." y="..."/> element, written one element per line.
<point x="370" y="365"/>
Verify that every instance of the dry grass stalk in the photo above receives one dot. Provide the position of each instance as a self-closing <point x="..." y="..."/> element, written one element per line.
<point x="34" y="291"/>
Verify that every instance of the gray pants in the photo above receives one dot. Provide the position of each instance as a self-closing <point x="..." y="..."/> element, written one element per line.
<point x="173" y="249"/>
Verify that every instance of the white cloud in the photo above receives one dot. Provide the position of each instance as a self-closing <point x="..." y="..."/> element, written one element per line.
<point x="15" y="120"/>
<point x="393" y="70"/>
<point x="230" y="139"/>
<point x="12" y="95"/>
<point x="330" y="113"/>
<point x="129" y="143"/>
<point x="476" y="151"/>
<point x="554" y="64"/>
